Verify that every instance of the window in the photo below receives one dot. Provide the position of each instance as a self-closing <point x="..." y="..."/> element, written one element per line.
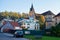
<point x="27" y="32"/>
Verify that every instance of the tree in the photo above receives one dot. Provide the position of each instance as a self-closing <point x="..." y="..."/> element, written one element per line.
<point x="11" y="15"/>
<point x="17" y="15"/>
<point x="56" y="30"/>
<point x="1" y="17"/>
<point x="5" y="13"/>
<point x="24" y="15"/>
<point x="14" y="15"/>
<point x="41" y="21"/>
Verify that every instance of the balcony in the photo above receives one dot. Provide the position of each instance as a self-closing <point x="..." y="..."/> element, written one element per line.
<point x="49" y="20"/>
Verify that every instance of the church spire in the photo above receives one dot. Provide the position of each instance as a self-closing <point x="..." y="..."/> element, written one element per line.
<point x="32" y="12"/>
<point x="32" y="9"/>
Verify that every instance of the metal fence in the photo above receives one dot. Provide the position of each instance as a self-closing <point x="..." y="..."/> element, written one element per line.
<point x="32" y="32"/>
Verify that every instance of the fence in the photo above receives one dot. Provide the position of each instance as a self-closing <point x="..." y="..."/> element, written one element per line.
<point x="32" y="32"/>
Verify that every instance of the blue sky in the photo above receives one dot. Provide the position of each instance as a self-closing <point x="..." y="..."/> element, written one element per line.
<point x="40" y="6"/>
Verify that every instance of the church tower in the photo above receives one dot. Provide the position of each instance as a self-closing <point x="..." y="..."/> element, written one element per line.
<point x="32" y="12"/>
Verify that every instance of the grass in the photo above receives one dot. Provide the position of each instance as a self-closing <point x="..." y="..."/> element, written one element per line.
<point x="50" y="38"/>
<point x="43" y="38"/>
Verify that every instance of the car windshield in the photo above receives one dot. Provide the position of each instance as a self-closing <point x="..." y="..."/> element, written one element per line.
<point x="19" y="32"/>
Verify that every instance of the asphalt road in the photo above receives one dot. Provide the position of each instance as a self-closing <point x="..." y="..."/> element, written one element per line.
<point x="5" y="36"/>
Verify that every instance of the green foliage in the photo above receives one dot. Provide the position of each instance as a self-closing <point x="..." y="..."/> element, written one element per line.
<point x="11" y="15"/>
<point x="32" y="37"/>
<point x="1" y="17"/>
<point x="56" y="30"/>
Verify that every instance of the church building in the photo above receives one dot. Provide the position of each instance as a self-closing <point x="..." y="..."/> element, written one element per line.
<point x="31" y="23"/>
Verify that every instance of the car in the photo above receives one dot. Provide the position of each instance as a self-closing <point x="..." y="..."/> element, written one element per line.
<point x="18" y="34"/>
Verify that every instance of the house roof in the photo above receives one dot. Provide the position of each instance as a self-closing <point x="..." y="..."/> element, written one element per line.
<point x="14" y="24"/>
<point x="48" y="13"/>
<point x="57" y="15"/>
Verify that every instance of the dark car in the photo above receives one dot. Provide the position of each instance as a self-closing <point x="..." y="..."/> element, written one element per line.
<point x="18" y="34"/>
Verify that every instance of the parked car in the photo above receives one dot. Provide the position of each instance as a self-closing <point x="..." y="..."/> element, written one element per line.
<point x="18" y="34"/>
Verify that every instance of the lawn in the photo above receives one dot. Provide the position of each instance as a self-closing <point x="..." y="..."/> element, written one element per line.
<point x="43" y="38"/>
<point x="50" y="38"/>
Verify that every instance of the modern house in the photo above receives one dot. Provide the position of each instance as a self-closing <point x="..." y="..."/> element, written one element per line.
<point x="49" y="20"/>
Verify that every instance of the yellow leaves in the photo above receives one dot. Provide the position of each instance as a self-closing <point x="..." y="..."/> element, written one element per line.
<point x="24" y="15"/>
<point x="42" y="18"/>
<point x="41" y="21"/>
<point x="19" y="15"/>
<point x="15" y="14"/>
<point x="11" y="14"/>
<point x="5" y="13"/>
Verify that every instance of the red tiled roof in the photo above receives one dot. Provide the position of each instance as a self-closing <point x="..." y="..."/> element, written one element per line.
<point x="15" y="24"/>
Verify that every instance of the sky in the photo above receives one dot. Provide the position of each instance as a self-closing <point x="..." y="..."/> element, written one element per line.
<point x="40" y="6"/>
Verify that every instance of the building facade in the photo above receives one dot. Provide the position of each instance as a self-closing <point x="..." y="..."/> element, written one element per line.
<point x="57" y="18"/>
<point x="31" y="23"/>
<point x="49" y="20"/>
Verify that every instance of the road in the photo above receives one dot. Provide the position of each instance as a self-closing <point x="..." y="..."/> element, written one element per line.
<point x="5" y="36"/>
